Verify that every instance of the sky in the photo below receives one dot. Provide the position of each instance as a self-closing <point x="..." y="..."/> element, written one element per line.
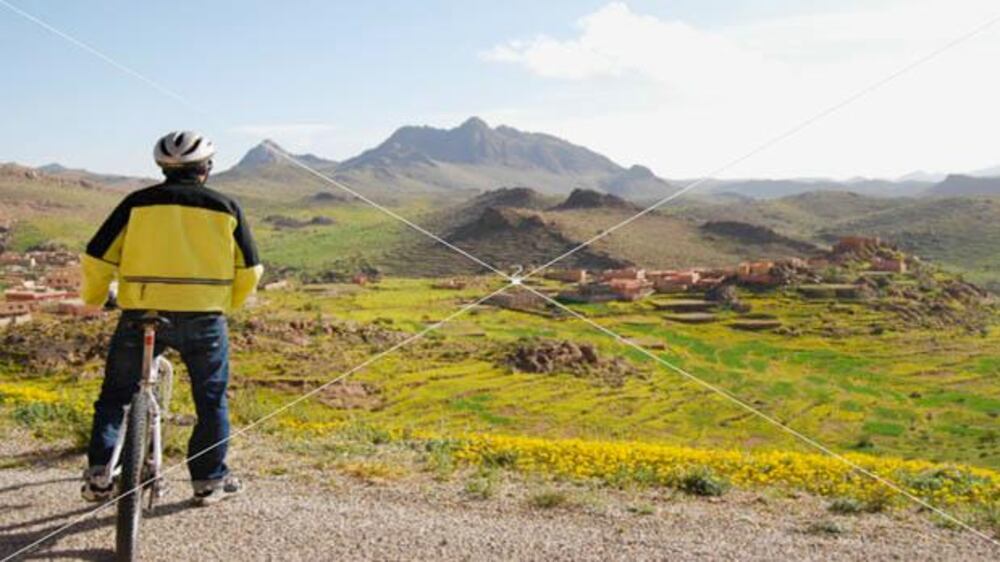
<point x="684" y="87"/>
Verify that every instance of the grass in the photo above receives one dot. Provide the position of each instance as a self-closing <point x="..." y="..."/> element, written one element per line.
<point x="915" y="396"/>
<point x="373" y="472"/>
<point x="549" y="499"/>
<point x="702" y="481"/>
<point x="483" y="484"/>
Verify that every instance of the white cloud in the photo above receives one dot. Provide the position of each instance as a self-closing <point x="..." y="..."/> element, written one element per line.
<point x="686" y="99"/>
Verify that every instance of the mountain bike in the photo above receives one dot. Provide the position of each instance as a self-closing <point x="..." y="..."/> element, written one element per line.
<point x="139" y="446"/>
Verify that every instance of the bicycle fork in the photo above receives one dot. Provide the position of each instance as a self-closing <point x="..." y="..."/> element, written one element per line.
<point x="154" y="459"/>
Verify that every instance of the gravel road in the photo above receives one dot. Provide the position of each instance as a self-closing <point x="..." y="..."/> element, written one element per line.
<point x="339" y="518"/>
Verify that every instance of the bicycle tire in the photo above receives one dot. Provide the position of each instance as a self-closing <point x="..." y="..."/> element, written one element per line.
<point x="133" y="461"/>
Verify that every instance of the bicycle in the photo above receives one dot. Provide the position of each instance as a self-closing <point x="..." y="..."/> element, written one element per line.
<point x="140" y="442"/>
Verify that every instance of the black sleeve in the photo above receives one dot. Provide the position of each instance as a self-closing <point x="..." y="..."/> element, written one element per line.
<point x="109" y="231"/>
<point x="244" y="239"/>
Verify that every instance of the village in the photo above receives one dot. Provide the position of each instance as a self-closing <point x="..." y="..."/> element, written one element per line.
<point x="41" y="281"/>
<point x="633" y="283"/>
<point x="48" y="281"/>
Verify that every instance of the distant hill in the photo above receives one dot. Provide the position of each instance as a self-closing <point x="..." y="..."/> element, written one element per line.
<point x="993" y="171"/>
<point x="268" y="153"/>
<point x="111" y="181"/>
<point x="589" y="199"/>
<point x="961" y="233"/>
<point x="477" y="156"/>
<point x="263" y="176"/>
<point x="42" y="208"/>
<point x="922" y="176"/>
<point x="956" y="185"/>
<point x="772" y="189"/>
<point x="511" y="227"/>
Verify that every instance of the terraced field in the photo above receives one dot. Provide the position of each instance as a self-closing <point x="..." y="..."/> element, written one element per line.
<point x="914" y="394"/>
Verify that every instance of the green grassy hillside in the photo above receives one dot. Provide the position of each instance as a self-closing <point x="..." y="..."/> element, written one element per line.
<point x="908" y="392"/>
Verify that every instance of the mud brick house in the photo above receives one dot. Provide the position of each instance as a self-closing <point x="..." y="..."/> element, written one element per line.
<point x="54" y="258"/>
<point x="891" y="265"/>
<point x="34" y="295"/>
<point x="14" y="259"/>
<point x="15" y="312"/>
<point x="631" y="289"/>
<point x="64" y="279"/>
<point x="567" y="275"/>
<point x="591" y="292"/>
<point x="856" y="244"/>
<point x="707" y="281"/>
<point x="673" y="281"/>
<point x="76" y="307"/>
<point x="756" y="273"/>
<point x="632" y="273"/>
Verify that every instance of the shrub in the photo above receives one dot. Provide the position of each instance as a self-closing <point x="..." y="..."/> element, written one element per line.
<point x="701" y="481"/>
<point x="482" y="485"/>
<point x="440" y="458"/>
<point x="846" y="506"/>
<point x="548" y="499"/>
<point x="825" y="527"/>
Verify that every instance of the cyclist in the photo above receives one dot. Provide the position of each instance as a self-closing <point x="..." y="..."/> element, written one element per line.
<point x="185" y="251"/>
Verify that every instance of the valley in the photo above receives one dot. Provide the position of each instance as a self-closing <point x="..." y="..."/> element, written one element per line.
<point x="885" y="351"/>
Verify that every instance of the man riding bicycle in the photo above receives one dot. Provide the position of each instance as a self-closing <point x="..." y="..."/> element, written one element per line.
<point x="186" y="252"/>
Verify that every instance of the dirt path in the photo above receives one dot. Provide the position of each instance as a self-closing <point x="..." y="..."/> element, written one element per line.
<point x="342" y="519"/>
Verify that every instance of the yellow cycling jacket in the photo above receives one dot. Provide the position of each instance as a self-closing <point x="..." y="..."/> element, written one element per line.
<point x="177" y="246"/>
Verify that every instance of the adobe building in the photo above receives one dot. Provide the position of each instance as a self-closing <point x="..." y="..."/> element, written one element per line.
<point x="890" y="265"/>
<point x="15" y="313"/>
<point x="855" y="244"/>
<point x="77" y="308"/>
<point x="66" y="279"/>
<point x="34" y="295"/>
<point x="633" y="273"/>
<point x="756" y="273"/>
<point x="567" y="275"/>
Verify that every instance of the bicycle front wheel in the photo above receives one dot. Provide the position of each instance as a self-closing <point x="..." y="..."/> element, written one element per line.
<point x="129" y="490"/>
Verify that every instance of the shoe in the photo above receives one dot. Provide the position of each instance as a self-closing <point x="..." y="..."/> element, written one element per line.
<point x="211" y="493"/>
<point x="93" y="490"/>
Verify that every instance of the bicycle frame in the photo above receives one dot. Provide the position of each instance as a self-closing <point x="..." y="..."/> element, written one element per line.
<point x="152" y="366"/>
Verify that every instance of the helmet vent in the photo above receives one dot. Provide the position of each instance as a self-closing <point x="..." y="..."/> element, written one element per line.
<point x="194" y="147"/>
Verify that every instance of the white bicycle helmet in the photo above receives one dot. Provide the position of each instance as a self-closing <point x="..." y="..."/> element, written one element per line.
<point x="183" y="148"/>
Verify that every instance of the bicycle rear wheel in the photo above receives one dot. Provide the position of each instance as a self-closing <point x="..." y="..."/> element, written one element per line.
<point x="133" y="461"/>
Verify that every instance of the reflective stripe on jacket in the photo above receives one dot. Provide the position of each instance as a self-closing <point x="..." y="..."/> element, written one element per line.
<point x="177" y="246"/>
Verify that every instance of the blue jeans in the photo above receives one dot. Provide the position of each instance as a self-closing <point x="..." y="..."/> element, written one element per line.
<point x="203" y="343"/>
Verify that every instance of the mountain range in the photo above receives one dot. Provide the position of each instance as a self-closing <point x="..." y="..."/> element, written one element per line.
<point x="475" y="157"/>
<point x="471" y="157"/>
<point x="515" y="197"/>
